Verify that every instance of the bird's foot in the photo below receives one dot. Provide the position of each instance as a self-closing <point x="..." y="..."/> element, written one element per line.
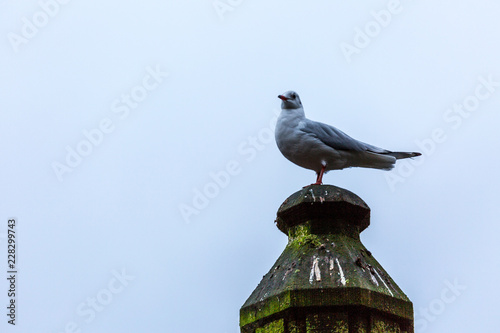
<point x="317" y="183"/>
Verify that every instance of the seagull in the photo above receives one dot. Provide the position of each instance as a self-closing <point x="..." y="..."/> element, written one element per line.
<point x="321" y="147"/>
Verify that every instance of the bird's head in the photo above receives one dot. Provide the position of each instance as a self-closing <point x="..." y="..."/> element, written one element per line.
<point x="291" y="100"/>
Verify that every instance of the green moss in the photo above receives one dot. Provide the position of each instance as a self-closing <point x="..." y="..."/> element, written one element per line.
<point x="383" y="326"/>
<point x="271" y="306"/>
<point x="276" y="326"/>
<point x="301" y="235"/>
<point x="330" y="322"/>
<point x="296" y="326"/>
<point x="360" y="327"/>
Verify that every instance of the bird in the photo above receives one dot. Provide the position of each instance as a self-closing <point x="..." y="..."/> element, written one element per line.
<point x="321" y="147"/>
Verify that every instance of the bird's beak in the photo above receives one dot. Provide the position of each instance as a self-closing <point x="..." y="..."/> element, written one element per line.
<point x="283" y="98"/>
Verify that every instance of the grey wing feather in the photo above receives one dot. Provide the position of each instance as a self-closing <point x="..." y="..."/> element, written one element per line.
<point x="337" y="139"/>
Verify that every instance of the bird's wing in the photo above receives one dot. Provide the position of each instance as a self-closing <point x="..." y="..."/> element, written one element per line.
<point x="337" y="139"/>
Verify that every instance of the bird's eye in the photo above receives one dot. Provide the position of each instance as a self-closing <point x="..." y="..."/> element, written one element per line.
<point x="292" y="95"/>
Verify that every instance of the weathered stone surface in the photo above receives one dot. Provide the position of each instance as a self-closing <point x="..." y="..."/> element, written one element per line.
<point x="327" y="322"/>
<point x="326" y="272"/>
<point x="334" y="206"/>
<point x="276" y="326"/>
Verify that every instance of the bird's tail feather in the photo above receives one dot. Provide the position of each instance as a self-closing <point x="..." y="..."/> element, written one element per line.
<point x="383" y="161"/>
<point x="401" y="154"/>
<point x="376" y="161"/>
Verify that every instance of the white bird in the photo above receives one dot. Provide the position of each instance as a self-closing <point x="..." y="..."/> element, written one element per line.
<point x="321" y="147"/>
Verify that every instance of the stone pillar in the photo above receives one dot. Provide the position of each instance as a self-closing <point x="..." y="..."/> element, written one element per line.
<point x="326" y="280"/>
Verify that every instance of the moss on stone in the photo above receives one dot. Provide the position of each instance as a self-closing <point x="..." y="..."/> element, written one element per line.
<point x="296" y="326"/>
<point x="327" y="322"/>
<point x="360" y="327"/>
<point x="276" y="326"/>
<point x="385" y="326"/>
<point x="301" y="235"/>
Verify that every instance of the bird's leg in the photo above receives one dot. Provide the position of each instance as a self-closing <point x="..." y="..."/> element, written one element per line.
<point x="319" y="179"/>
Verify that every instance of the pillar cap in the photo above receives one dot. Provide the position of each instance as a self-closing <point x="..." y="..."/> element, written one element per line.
<point x="325" y="205"/>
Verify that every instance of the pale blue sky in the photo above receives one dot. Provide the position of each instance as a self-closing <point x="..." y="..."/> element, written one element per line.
<point x="173" y="95"/>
